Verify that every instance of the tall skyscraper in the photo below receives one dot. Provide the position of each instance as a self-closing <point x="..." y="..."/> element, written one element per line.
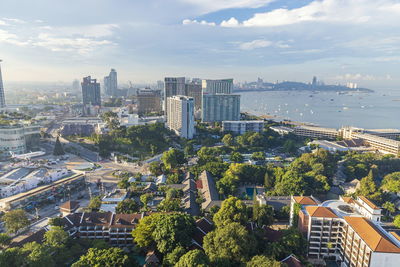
<point x="224" y="86"/>
<point x="180" y="116"/>
<point x="220" y="107"/>
<point x="111" y="84"/>
<point x="173" y="86"/>
<point x="2" y="96"/>
<point x="193" y="89"/>
<point x="91" y="92"/>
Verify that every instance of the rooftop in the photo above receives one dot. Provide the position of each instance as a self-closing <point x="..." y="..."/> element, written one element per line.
<point x="371" y="235"/>
<point x="305" y="200"/>
<point x="316" y="211"/>
<point x="368" y="202"/>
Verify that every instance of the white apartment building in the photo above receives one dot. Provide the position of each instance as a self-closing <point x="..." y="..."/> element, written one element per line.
<point x="337" y="230"/>
<point x="382" y="144"/>
<point x="180" y="116"/>
<point x="316" y="132"/>
<point x="224" y="86"/>
<point x="240" y="127"/>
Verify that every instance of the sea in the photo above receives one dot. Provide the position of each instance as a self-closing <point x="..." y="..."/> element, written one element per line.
<point x="376" y="110"/>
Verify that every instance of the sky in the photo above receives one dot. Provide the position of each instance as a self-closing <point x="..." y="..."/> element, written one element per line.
<point x="338" y="41"/>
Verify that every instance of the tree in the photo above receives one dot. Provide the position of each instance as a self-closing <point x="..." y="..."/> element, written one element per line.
<point x="12" y="257"/>
<point x="4" y="240"/>
<point x="289" y="146"/>
<point x="103" y="257"/>
<point x="228" y="140"/>
<point x="263" y="215"/>
<point x="156" y="168"/>
<point x="258" y="156"/>
<point x="368" y="187"/>
<point x="173" y="257"/>
<point x="232" y="210"/>
<point x="229" y="245"/>
<point x="173" y="178"/>
<point x="389" y="206"/>
<point x="391" y="182"/>
<point x="172" y="230"/>
<point x="37" y="255"/>
<point x="263" y="261"/>
<point x="56" y="237"/>
<point x="56" y="221"/>
<point x="124" y="183"/>
<point x="167" y="205"/>
<point x="193" y="258"/>
<point x="15" y="220"/>
<point x="95" y="203"/>
<point x="173" y="158"/>
<point x="236" y="157"/>
<point x="127" y="206"/>
<point x="58" y="148"/>
<point x="165" y="231"/>
<point x="396" y="221"/>
<point x="145" y="198"/>
<point x="269" y="180"/>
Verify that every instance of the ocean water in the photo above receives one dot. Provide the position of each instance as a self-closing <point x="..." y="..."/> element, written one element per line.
<point x="380" y="109"/>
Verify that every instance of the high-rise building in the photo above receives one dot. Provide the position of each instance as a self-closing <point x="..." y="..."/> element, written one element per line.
<point x="160" y="85"/>
<point x="220" y="107"/>
<point x="2" y="96"/>
<point x="224" y="86"/>
<point x="180" y="116"/>
<point x="173" y="86"/>
<point x="90" y="93"/>
<point x="193" y="89"/>
<point x="148" y="101"/>
<point x="76" y="87"/>
<point x="111" y="84"/>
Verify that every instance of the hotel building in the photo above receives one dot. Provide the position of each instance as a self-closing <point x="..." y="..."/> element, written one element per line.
<point x="180" y="116"/>
<point x="224" y="86"/>
<point x="241" y="127"/>
<point x="18" y="138"/>
<point x="148" y="101"/>
<point x="316" y="132"/>
<point x="220" y="107"/>
<point x="347" y="231"/>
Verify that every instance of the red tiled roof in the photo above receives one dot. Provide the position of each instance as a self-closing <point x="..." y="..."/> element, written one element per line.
<point x="70" y="205"/>
<point x="371" y="235"/>
<point x="292" y="261"/>
<point x="368" y="202"/>
<point x="305" y="200"/>
<point x="322" y="212"/>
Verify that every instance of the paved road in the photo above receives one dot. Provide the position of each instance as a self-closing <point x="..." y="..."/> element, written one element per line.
<point x="83" y="152"/>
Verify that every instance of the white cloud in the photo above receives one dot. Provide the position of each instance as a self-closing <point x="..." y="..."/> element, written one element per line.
<point x="255" y="44"/>
<point x="202" y="22"/>
<point x="335" y="11"/>
<point x="13" y="20"/>
<point x="232" y="22"/>
<point x="2" y="22"/>
<point x="79" y="45"/>
<point x="10" y="38"/>
<point x="207" y="6"/>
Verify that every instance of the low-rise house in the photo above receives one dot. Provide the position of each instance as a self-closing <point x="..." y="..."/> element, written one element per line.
<point x="69" y="207"/>
<point x="207" y="189"/>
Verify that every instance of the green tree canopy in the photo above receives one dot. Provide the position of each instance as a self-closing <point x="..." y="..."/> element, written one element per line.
<point x="103" y="258"/>
<point x="229" y="245"/>
<point x="4" y="240"/>
<point x="12" y="257"/>
<point x="37" y="255"/>
<point x="95" y="203"/>
<point x="263" y="261"/>
<point x="391" y="182"/>
<point x="173" y="158"/>
<point x="56" y="237"/>
<point x="258" y="155"/>
<point x="228" y="140"/>
<point x="236" y="157"/>
<point x="56" y="221"/>
<point x="396" y="221"/>
<point x="263" y="214"/>
<point x="127" y="206"/>
<point x="166" y="231"/>
<point x="193" y="258"/>
<point x="15" y="220"/>
<point x="232" y="210"/>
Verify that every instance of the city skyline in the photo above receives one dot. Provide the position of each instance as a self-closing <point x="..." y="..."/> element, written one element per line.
<point x="355" y="41"/>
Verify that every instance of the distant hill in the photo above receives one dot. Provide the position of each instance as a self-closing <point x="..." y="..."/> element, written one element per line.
<point x="297" y="86"/>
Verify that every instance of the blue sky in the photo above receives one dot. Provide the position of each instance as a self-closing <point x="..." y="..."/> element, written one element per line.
<point x="337" y="40"/>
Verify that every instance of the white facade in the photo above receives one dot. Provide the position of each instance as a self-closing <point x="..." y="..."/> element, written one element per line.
<point x="180" y="116"/>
